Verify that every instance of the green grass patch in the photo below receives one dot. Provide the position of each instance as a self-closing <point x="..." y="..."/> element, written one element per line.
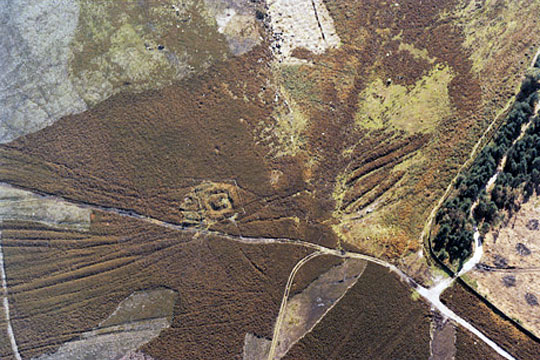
<point x="416" y="109"/>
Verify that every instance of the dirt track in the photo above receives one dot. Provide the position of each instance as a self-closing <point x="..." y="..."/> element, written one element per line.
<point x="320" y="250"/>
<point x="281" y="316"/>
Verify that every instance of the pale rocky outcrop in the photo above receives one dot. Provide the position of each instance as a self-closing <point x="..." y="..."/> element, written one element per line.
<point x="34" y="49"/>
<point x="236" y="20"/>
<point x="301" y="24"/>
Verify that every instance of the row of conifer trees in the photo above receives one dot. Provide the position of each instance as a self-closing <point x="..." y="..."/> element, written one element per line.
<point x="455" y="235"/>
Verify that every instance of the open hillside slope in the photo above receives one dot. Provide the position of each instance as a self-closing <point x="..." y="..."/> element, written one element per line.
<point x="175" y="174"/>
<point x="362" y="138"/>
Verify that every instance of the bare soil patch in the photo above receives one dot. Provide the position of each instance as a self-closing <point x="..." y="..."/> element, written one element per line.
<point x="509" y="275"/>
<point x="64" y="282"/>
<point x="377" y="319"/>
<point x="147" y="151"/>
<point x="443" y="338"/>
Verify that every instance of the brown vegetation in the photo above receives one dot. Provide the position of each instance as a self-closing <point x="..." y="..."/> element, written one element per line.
<point x="150" y="152"/>
<point x="146" y="152"/>
<point x="469" y="347"/>
<point x="498" y="329"/>
<point x="372" y="35"/>
<point x="5" y="346"/>
<point x="201" y="153"/>
<point x="377" y="319"/>
<point x="64" y="282"/>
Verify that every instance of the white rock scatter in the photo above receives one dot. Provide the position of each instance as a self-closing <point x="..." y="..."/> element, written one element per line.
<point x="300" y="24"/>
<point x="136" y="355"/>
<point x="34" y="51"/>
<point x="236" y="20"/>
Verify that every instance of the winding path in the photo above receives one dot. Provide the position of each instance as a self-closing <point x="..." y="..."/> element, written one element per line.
<point x="284" y="300"/>
<point x="429" y="223"/>
<point x="5" y="305"/>
<point x="430" y="295"/>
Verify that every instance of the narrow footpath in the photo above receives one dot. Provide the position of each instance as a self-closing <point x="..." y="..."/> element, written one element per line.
<point x="431" y="295"/>
<point x="5" y="305"/>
